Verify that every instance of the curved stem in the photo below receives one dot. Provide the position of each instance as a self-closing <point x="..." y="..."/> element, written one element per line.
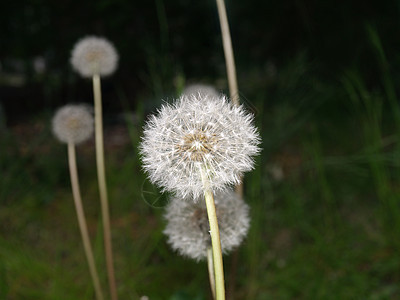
<point x="82" y="221"/>
<point x="102" y="185"/>
<point x="210" y="264"/>
<point x="228" y="51"/>
<point x="215" y="239"/>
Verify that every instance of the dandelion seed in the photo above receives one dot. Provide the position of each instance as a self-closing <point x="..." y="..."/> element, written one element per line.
<point x="73" y="124"/>
<point x="94" y="55"/>
<point x="188" y="229"/>
<point x="196" y="132"/>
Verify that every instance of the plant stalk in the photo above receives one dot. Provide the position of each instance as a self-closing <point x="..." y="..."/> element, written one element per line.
<point x="233" y="86"/>
<point x="102" y="185"/>
<point x="215" y="239"/>
<point x="230" y="63"/>
<point x="228" y="51"/>
<point x="82" y="221"/>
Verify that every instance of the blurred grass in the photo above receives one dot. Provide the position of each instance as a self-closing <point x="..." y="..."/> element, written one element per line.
<point x="324" y="199"/>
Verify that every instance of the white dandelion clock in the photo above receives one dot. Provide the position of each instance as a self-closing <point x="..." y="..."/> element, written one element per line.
<point x="73" y="124"/>
<point x="199" y="146"/>
<point x="94" y="56"/>
<point x="202" y="89"/>
<point x="188" y="230"/>
<point x="199" y="134"/>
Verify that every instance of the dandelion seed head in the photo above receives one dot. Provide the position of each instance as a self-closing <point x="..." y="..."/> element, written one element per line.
<point x="195" y="132"/>
<point x="202" y="89"/>
<point x="94" y="55"/>
<point x="73" y="124"/>
<point x="188" y="230"/>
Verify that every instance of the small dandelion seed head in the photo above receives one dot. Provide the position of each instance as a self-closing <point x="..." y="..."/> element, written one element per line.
<point x="73" y="124"/>
<point x="198" y="132"/>
<point x="188" y="230"/>
<point x="94" y="55"/>
<point x="202" y="89"/>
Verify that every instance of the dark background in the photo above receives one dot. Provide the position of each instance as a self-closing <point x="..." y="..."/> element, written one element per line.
<point x="161" y="41"/>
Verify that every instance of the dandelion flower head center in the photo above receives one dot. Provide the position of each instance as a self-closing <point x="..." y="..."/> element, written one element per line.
<point x="94" y="55"/>
<point x="196" y="145"/>
<point x="73" y="123"/>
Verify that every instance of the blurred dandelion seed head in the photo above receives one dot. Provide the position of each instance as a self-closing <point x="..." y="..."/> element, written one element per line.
<point x="73" y="124"/>
<point x="188" y="228"/>
<point x="94" y="55"/>
<point x="198" y="131"/>
<point x="202" y="89"/>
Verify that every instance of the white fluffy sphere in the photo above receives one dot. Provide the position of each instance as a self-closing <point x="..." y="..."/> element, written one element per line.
<point x="198" y="132"/>
<point x="188" y="228"/>
<point x="94" y="55"/>
<point x="73" y="124"/>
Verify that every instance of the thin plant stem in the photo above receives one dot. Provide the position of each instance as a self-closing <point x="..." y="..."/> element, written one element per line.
<point x="215" y="239"/>
<point x="102" y="185"/>
<point x="82" y="221"/>
<point x="228" y="51"/>
<point x="210" y="264"/>
<point x="230" y="64"/>
<point x="233" y="90"/>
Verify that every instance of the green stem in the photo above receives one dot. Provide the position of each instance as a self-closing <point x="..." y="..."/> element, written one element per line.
<point x="102" y="185"/>
<point x="82" y="221"/>
<point x="228" y="51"/>
<point x="230" y="64"/>
<point x="215" y="239"/>
<point x="210" y="264"/>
